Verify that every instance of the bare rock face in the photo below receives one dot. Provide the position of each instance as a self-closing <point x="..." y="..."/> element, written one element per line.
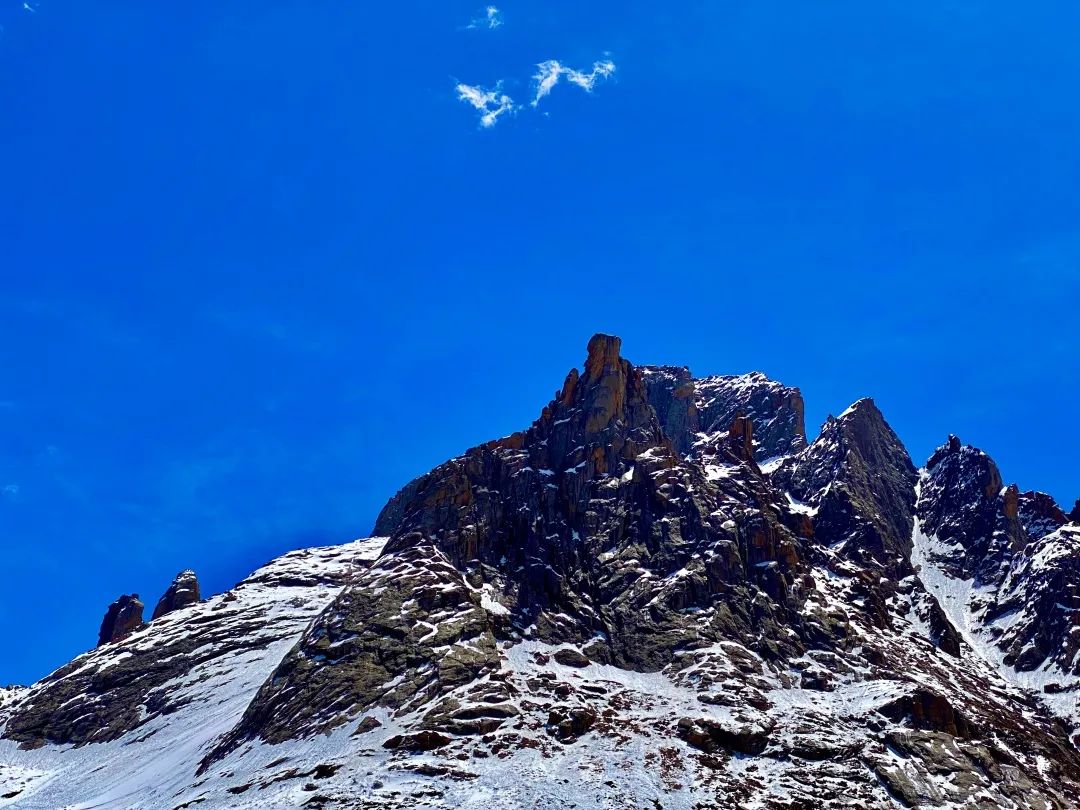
<point x="1004" y="563"/>
<point x="964" y="502"/>
<point x="741" y="437"/>
<point x="183" y="591"/>
<point x="691" y="410"/>
<point x="1039" y="514"/>
<point x="560" y="518"/>
<point x="672" y="395"/>
<point x="123" y="617"/>
<point x="860" y="482"/>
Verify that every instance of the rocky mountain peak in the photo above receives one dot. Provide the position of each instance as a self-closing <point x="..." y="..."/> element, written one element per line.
<point x="1074" y="514"/>
<point x="1039" y="514"/>
<point x="966" y="469"/>
<point x="607" y="385"/>
<point x="183" y="591"/>
<point x="859" y="479"/>
<point x="863" y="427"/>
<point x="623" y="594"/>
<point x="951" y="447"/>
<point x="603" y="356"/>
<point x="963" y="501"/>
<point x="1005" y="564"/>
<point x="123" y="617"/>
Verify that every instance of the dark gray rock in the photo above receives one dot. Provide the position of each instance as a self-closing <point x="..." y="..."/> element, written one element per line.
<point x="861" y="481"/>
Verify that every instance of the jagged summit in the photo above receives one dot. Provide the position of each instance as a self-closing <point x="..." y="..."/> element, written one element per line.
<point x="1005" y="567"/>
<point x="603" y="356"/>
<point x="860" y="481"/>
<point x="692" y="411"/>
<point x="658" y="590"/>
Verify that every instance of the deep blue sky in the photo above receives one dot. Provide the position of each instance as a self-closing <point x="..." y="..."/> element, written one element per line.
<point x="261" y="266"/>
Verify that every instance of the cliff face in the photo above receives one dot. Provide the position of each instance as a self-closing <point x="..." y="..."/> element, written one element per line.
<point x="658" y="594"/>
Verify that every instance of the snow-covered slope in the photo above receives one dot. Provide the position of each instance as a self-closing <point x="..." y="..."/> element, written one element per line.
<point x="142" y="736"/>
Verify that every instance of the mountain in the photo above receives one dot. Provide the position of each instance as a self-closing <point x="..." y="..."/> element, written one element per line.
<point x="658" y="595"/>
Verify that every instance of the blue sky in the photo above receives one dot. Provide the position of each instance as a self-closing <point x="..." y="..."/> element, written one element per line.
<point x="261" y="264"/>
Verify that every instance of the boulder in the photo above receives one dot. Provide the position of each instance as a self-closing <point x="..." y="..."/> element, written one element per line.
<point x="567" y="723"/>
<point x="571" y="658"/>
<point x="420" y="741"/>
<point x="709" y="735"/>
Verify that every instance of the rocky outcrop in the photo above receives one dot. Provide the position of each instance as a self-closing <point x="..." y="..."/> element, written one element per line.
<point x="741" y="438"/>
<point x="691" y="410"/>
<point x="183" y="591"/>
<point x="860" y="482"/>
<point x="709" y="735"/>
<point x="377" y="644"/>
<point x="672" y="395"/>
<point x="965" y="503"/>
<point x="1039" y="514"/>
<point x="123" y="618"/>
<point x="561" y="518"/>
<point x="927" y="710"/>
<point x="121" y="686"/>
<point x="1005" y="564"/>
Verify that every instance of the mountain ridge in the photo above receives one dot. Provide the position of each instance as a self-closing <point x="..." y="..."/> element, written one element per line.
<point x="659" y="564"/>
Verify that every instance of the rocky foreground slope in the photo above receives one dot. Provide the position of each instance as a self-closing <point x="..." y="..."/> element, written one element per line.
<point x="659" y="595"/>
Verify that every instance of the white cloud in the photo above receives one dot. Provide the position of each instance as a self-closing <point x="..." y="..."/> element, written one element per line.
<point x="548" y="74"/>
<point x="491" y="18"/>
<point x="490" y="103"/>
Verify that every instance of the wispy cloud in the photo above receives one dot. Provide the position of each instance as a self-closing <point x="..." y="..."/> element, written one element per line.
<point x="550" y="72"/>
<point x="490" y="103"/>
<point x="491" y="18"/>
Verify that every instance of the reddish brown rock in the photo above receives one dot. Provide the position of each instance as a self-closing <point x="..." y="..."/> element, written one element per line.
<point x="1010" y="501"/>
<point x="741" y="437"/>
<point x="183" y="591"/>
<point x="123" y="617"/>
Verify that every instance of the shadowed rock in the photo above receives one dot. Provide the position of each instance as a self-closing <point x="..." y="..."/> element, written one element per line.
<point x="861" y="480"/>
<point x="123" y="617"/>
